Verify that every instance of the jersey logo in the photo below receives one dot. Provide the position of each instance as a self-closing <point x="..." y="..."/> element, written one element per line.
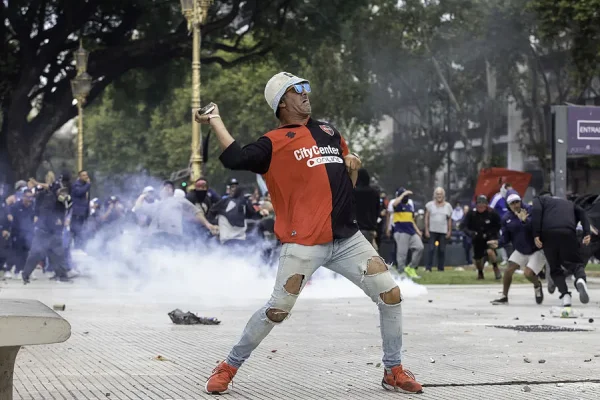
<point x="290" y="134"/>
<point x="327" y="130"/>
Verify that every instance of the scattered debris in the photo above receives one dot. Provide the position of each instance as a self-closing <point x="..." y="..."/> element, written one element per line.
<point x="596" y="355"/>
<point x="369" y="363"/>
<point x="443" y="355"/>
<point x="107" y="394"/>
<point x="160" y="358"/>
<point x="378" y="365"/>
<point x="269" y="357"/>
<point x="273" y="351"/>
<point x="520" y="341"/>
<point x="431" y="301"/>
<point x="560" y="384"/>
<point x="516" y="318"/>
<point x="59" y="307"/>
<point x="527" y="360"/>
<point x="591" y="320"/>
<point x="542" y="361"/>
<point x="329" y="372"/>
<point x="588" y="360"/>
<point x="543" y="316"/>
<point x="85" y="333"/>
<point x="431" y="360"/>
<point x="526" y="389"/>
<point x="180" y="318"/>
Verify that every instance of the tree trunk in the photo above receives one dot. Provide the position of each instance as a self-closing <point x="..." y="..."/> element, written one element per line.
<point x="490" y="115"/>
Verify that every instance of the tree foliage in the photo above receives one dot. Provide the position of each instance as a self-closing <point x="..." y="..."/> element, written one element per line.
<point x="38" y="38"/>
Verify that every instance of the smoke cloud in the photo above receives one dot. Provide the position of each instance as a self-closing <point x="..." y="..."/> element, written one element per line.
<point x="207" y="277"/>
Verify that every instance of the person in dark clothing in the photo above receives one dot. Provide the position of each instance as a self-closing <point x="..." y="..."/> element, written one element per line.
<point x="367" y="206"/>
<point x="554" y="223"/>
<point x="483" y="226"/>
<point x="5" y="241"/>
<point x="22" y="215"/>
<point x="80" y="193"/>
<point x="52" y="204"/>
<point x="231" y="213"/>
<point x="199" y="196"/>
<point x="516" y="228"/>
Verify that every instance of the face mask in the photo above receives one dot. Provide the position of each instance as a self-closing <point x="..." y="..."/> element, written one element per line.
<point x="201" y="195"/>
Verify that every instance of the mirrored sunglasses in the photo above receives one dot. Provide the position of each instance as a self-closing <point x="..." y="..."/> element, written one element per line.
<point x="299" y="87"/>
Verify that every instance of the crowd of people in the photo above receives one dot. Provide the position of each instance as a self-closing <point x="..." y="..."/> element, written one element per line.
<point x="549" y="238"/>
<point x="42" y="222"/>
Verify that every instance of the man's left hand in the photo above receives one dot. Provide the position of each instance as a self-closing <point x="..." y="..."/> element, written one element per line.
<point x="587" y="239"/>
<point x="352" y="162"/>
<point x="448" y="235"/>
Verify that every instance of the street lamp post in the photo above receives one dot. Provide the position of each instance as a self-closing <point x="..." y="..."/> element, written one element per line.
<point x="81" y="86"/>
<point x="195" y="11"/>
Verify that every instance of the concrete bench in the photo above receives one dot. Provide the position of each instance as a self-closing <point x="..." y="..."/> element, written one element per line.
<point x="24" y="323"/>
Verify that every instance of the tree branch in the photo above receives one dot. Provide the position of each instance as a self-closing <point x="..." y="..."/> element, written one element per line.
<point x="229" y="64"/>
<point x="225" y="21"/>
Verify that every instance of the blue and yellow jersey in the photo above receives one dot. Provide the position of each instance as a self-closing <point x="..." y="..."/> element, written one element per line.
<point x="403" y="219"/>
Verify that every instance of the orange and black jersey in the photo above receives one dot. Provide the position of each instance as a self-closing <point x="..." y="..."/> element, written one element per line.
<point x="305" y="173"/>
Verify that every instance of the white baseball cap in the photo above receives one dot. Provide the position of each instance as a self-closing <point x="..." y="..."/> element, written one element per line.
<point x="513" y="197"/>
<point x="179" y="193"/>
<point x="278" y="85"/>
<point x="148" y="189"/>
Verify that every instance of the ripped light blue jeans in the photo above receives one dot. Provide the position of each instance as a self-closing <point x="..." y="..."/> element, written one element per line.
<point x="348" y="257"/>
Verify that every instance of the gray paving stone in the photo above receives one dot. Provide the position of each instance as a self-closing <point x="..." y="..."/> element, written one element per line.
<point x="328" y="349"/>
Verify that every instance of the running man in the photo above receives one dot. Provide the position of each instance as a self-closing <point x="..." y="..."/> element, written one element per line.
<point x="554" y="222"/>
<point x="516" y="228"/>
<point x="310" y="175"/>
<point x="482" y="224"/>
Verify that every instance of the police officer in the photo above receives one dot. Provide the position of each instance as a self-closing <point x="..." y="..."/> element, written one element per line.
<point x="554" y="222"/>
<point x="52" y="204"/>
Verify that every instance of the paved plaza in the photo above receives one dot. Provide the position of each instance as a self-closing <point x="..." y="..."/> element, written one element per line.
<point x="328" y="349"/>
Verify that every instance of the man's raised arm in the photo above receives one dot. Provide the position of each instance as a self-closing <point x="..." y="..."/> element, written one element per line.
<point x="255" y="157"/>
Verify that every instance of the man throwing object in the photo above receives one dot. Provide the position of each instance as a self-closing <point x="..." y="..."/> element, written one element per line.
<point x="310" y="175"/>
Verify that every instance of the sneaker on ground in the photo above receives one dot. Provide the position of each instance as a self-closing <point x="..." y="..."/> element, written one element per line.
<point x="566" y="299"/>
<point x="501" y="301"/>
<point x="503" y="263"/>
<point x="8" y="275"/>
<point x="498" y="274"/>
<point x="411" y="273"/>
<point x="221" y="378"/>
<point x="581" y="286"/>
<point x="400" y="379"/>
<point x="480" y="275"/>
<point x="539" y="294"/>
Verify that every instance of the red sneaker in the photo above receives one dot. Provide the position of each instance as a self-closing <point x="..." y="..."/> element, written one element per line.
<point x="400" y="379"/>
<point x="219" y="381"/>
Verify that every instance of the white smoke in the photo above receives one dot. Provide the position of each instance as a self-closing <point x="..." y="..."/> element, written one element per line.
<point x="206" y="277"/>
